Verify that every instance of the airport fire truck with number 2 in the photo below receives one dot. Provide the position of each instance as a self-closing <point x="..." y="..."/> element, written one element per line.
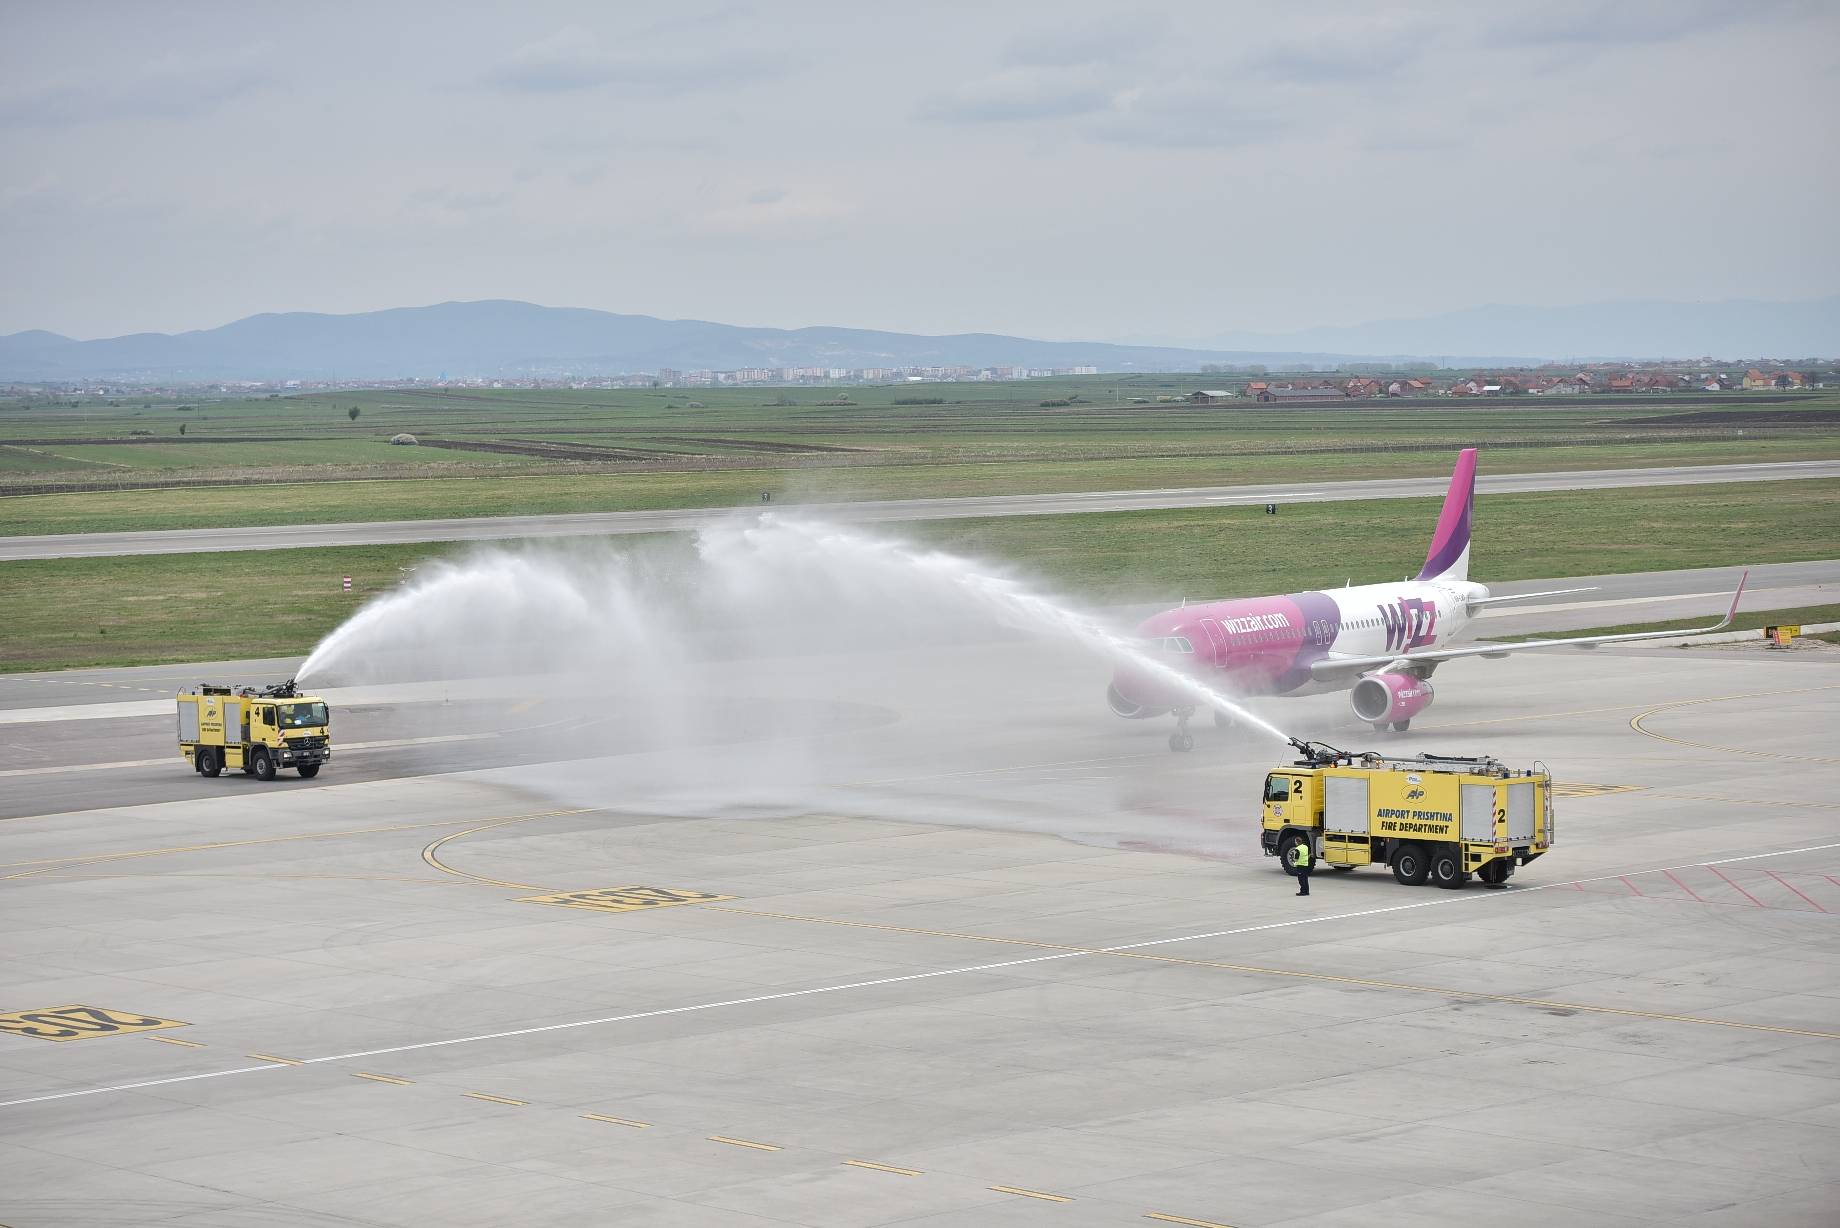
<point x="1432" y="818"/>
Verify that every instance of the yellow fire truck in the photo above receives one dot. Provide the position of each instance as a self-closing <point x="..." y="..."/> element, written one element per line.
<point x="1436" y="818"/>
<point x="260" y="731"/>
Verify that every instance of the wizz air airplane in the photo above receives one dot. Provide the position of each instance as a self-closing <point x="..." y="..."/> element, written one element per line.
<point x="1379" y="642"/>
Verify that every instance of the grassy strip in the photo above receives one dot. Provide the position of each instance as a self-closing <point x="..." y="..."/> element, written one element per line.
<point x="1216" y="552"/>
<point x="1746" y="620"/>
<point x="151" y="609"/>
<point x="549" y="494"/>
<point x="62" y="613"/>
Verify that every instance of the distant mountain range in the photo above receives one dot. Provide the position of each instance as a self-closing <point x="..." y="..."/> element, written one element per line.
<point x="500" y="338"/>
<point x="1735" y="328"/>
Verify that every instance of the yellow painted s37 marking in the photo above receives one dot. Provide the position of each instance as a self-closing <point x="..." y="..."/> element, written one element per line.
<point x="625" y="899"/>
<point x="62" y="1023"/>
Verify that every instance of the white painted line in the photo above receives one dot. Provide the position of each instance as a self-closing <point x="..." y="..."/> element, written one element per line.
<point x="338" y="748"/>
<point x="1452" y="898"/>
<point x="1279" y="494"/>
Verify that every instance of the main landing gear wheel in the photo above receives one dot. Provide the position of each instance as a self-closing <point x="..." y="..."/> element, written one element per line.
<point x="1222" y="720"/>
<point x="1410" y="865"/>
<point x="1402" y="726"/>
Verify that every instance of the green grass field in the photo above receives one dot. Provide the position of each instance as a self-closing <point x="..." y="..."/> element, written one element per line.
<point x="320" y="502"/>
<point x="64" y="613"/>
<point x="646" y="448"/>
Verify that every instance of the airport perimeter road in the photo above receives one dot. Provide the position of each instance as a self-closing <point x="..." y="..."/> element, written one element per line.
<point x="595" y="524"/>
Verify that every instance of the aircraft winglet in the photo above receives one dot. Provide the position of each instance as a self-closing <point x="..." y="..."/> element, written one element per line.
<point x="1742" y="581"/>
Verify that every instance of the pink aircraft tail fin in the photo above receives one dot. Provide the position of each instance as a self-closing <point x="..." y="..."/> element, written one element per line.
<point x="1448" y="558"/>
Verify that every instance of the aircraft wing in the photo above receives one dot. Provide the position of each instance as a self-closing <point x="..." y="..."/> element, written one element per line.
<point x="1476" y="603"/>
<point x="1341" y="666"/>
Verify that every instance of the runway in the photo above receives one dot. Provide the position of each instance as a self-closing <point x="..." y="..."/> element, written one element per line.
<point x="887" y="949"/>
<point x="594" y="524"/>
<point x="57" y="730"/>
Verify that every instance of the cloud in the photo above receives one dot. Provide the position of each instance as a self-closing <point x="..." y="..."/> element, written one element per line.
<point x="1344" y="52"/>
<point x="1017" y="94"/>
<point x="165" y="89"/>
<point x="1163" y="113"/>
<point x="773" y="213"/>
<point x="448" y="206"/>
<point x="572" y="59"/>
<point x="1258" y="88"/>
<point x="1191" y="113"/>
<point x="1603" y="23"/>
<point x="1109" y="40"/>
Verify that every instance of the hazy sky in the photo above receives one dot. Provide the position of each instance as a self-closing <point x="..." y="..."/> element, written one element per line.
<point x="1051" y="169"/>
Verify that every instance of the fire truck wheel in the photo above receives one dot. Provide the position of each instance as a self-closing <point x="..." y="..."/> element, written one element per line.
<point x="309" y="770"/>
<point x="1410" y="865"/>
<point x="263" y="766"/>
<point x="1447" y="868"/>
<point x="1181" y="741"/>
<point x="208" y="761"/>
<point x="1342" y="869"/>
<point x="1496" y="873"/>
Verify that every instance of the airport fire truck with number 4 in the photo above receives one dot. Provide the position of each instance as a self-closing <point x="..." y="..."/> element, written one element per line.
<point x="260" y="730"/>
<point x="1432" y="818"/>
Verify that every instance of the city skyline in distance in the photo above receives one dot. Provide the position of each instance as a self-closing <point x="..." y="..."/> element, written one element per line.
<point x="498" y="338"/>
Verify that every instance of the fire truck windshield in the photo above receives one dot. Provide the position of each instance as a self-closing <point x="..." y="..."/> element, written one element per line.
<point x="300" y="716"/>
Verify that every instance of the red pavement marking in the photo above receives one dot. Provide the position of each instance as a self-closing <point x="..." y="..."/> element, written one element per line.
<point x="1696" y="895"/>
<point x="1741" y="891"/>
<point x="1631" y="885"/>
<point x="1791" y="886"/>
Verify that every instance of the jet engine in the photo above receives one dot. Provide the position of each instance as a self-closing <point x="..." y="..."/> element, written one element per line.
<point x="1390" y="699"/>
<point x="1128" y="708"/>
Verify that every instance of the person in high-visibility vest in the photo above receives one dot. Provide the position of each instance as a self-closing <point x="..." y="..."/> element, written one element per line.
<point x="1302" y="855"/>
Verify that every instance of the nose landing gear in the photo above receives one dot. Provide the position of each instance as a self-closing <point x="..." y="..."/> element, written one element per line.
<point x="1182" y="739"/>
